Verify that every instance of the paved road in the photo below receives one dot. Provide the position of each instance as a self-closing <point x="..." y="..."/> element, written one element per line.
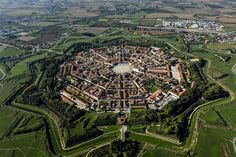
<point x="87" y="155"/>
<point x="3" y="73"/>
<point x="123" y="130"/>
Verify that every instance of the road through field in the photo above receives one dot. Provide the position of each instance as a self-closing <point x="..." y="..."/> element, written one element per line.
<point x="234" y="144"/>
<point x="3" y="76"/>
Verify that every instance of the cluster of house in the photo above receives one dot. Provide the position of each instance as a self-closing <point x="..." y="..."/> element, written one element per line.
<point x="229" y="37"/>
<point x="193" y="24"/>
<point x="120" y="78"/>
<point x="194" y="37"/>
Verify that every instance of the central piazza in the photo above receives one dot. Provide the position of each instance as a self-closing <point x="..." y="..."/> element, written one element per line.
<point x="120" y="78"/>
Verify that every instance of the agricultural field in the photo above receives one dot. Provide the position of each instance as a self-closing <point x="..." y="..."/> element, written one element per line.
<point x="92" y="30"/>
<point x="22" y="12"/>
<point x="221" y="46"/>
<point x="43" y="23"/>
<point x="227" y="19"/>
<point x="148" y="22"/>
<point x="229" y="27"/>
<point x="78" y="12"/>
<point x="170" y="15"/>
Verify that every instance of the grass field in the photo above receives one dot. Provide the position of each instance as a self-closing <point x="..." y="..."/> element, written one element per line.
<point x="213" y="117"/>
<point x="11" y="85"/>
<point x="222" y="46"/>
<point x="152" y="151"/>
<point x="219" y="139"/>
<point x="43" y="23"/>
<point x="78" y="12"/>
<point x="22" y="66"/>
<point x="2" y="47"/>
<point x="23" y="12"/>
<point x="144" y="138"/>
<point x="93" y="30"/>
<point x="11" y="143"/>
<point x="166" y="15"/>
<point x="34" y="143"/>
<point x="109" y="128"/>
<point x="228" y="27"/>
<point x="10" y="51"/>
<point x="6" y="119"/>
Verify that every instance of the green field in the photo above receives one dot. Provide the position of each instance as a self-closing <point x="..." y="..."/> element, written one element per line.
<point x="220" y="114"/>
<point x="23" y="12"/>
<point x="11" y="143"/>
<point x="6" y="117"/>
<point x="11" y="85"/>
<point x="222" y="46"/>
<point x="144" y="138"/>
<point x="43" y="23"/>
<point x="152" y="151"/>
<point x="10" y="51"/>
<point x="220" y="138"/>
<point x="22" y="66"/>
<point x="12" y="122"/>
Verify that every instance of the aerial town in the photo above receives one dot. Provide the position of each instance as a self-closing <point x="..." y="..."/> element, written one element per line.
<point x="117" y="78"/>
<point x="122" y="78"/>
